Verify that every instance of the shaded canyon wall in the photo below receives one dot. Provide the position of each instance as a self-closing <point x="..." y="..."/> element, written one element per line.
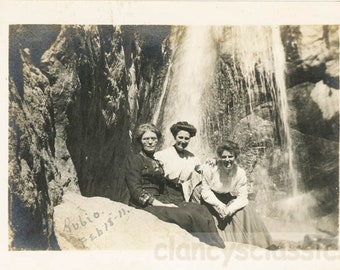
<point x="76" y="94"/>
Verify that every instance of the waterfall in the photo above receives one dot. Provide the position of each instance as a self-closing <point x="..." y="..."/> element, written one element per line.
<point x="279" y="67"/>
<point x="193" y="62"/>
<point x="260" y="54"/>
<point x="256" y="53"/>
<point x="251" y="50"/>
<point x="156" y="114"/>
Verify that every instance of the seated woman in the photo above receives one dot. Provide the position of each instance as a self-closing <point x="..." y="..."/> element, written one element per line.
<point x="146" y="183"/>
<point x="224" y="191"/>
<point x="180" y="165"/>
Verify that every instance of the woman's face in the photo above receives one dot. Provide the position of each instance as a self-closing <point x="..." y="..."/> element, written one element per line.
<point x="182" y="140"/>
<point x="149" y="141"/>
<point x="227" y="159"/>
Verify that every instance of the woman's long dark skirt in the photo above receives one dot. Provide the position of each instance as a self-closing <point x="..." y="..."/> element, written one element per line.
<point x="194" y="218"/>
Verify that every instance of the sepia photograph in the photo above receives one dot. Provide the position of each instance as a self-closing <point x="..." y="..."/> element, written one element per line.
<point x="177" y="142"/>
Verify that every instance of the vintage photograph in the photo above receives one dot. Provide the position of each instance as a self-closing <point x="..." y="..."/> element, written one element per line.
<point x="187" y="140"/>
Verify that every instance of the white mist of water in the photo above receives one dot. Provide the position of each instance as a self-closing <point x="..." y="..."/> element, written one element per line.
<point x="192" y="70"/>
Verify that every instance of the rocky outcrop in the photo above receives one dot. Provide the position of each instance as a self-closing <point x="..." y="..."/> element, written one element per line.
<point x="86" y="68"/>
<point x="101" y="224"/>
<point x="314" y="110"/>
<point x="74" y="102"/>
<point x="312" y="54"/>
<point x="34" y="180"/>
<point x="78" y="92"/>
<point x="313" y="97"/>
<point x="317" y="160"/>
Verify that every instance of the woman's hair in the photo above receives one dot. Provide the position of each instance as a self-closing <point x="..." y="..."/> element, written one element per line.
<point x="175" y="128"/>
<point x="144" y="128"/>
<point x="229" y="146"/>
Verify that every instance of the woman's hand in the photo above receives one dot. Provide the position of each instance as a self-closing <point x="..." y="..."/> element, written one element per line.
<point x="222" y="211"/>
<point x="159" y="203"/>
<point x="211" y="161"/>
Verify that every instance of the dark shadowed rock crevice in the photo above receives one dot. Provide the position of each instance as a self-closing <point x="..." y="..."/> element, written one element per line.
<point x="95" y="109"/>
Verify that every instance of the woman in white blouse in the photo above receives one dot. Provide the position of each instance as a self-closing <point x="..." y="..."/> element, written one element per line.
<point x="224" y="191"/>
<point x="180" y="165"/>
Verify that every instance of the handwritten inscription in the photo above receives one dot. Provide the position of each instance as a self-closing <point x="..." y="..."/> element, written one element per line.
<point x="101" y="221"/>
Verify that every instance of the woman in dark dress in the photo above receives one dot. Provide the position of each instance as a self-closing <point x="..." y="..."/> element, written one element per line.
<point x="146" y="182"/>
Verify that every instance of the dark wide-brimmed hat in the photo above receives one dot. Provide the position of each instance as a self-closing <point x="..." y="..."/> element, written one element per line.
<point x="175" y="128"/>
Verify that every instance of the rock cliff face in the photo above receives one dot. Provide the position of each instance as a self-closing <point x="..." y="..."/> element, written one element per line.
<point x="73" y="105"/>
<point x="33" y="177"/>
<point x="76" y="93"/>
<point x="313" y="96"/>
<point x="89" y="93"/>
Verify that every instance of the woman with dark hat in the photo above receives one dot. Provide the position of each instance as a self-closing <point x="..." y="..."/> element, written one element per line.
<point x="225" y="192"/>
<point x="146" y="183"/>
<point x="180" y="165"/>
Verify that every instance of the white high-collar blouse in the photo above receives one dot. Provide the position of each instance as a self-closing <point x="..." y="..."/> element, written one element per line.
<point x="176" y="167"/>
<point x="235" y="184"/>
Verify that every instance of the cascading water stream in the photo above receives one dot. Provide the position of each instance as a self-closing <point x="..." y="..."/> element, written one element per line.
<point x="256" y="52"/>
<point x="193" y="63"/>
<point x="160" y="103"/>
<point x="260" y="54"/>
<point x="279" y="67"/>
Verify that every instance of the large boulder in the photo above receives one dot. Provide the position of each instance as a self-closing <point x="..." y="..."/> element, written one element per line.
<point x="314" y="110"/>
<point x="101" y="224"/>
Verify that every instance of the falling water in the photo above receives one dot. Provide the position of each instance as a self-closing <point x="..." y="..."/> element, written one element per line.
<point x="160" y="103"/>
<point x="192" y="69"/>
<point x="279" y="67"/>
<point x="259" y="50"/>
<point x="259" y="53"/>
<point x="251" y="49"/>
